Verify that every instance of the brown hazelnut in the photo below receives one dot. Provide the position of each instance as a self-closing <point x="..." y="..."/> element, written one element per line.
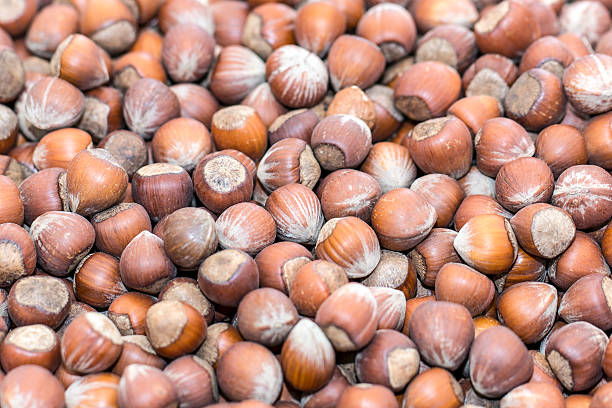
<point x="297" y="124"/>
<point x="432" y="253"/>
<point x="174" y="328"/>
<point x="341" y="141"/>
<point x="91" y="343"/>
<point x="574" y="353"/>
<point x="265" y="104"/>
<point x="523" y="181"/>
<point x="13" y="210"/>
<point x="49" y="27"/>
<point x="585" y="82"/>
<point x="487" y="243"/>
<point x="31" y="383"/>
<point x="328" y="395"/>
<point x="391" y="165"/>
<point x="288" y="161"/>
<point x="475" y="205"/>
<point x="391" y="27"/>
<point x="450" y="44"/>
<point x="237" y="72"/>
<point x="128" y="149"/>
<point x="572" y="15"/>
<point x="128" y="312"/>
<point x="501" y="29"/>
<point x="240" y="127"/>
<point x="58" y="148"/>
<point x="118" y="225"/>
<point x="219" y="338"/>
<point x="348" y="56"/>
<point x="148" y="104"/>
<point x="597" y="138"/>
<point x="266" y="316"/>
<point x="590" y="207"/>
<point x="187" y="52"/>
<point x="475" y="110"/>
<point x="182" y="12"/>
<point x="62" y="240"/>
<point x="35" y="344"/>
<point x="586" y="300"/>
<point x="110" y="24"/>
<point x="222" y="180"/>
<point x="401" y="231"/>
<point x="353" y="101"/>
<point x="13" y="75"/>
<point x="317" y="25"/>
<point x="227" y="276"/>
<point x="262" y="381"/>
<point x="500" y="141"/>
<point x="461" y="284"/>
<point x="390" y="307"/>
<point x="279" y="262"/>
<point x="97" y="281"/>
<point x="136" y="65"/>
<point x="491" y="74"/>
<point x="229" y="17"/>
<point x="268" y="27"/>
<point x="194" y="381"/>
<point x="548" y="53"/>
<point x="387" y="118"/>
<point x="162" y="188"/>
<point x="435" y="386"/>
<point x="348" y="192"/>
<point x="366" y="395"/>
<point x="531" y="394"/>
<point x="247" y="227"/>
<point x="395" y="271"/>
<point x="348" y="317"/>
<point x="420" y="97"/>
<point x="312" y="283"/>
<point x="499" y="361"/>
<point x="182" y="142"/>
<point x="143" y="386"/>
<point x="429" y="14"/>
<point x="18" y="254"/>
<point x="99" y="388"/>
<point x="196" y="101"/>
<point x="443" y="193"/>
<point x="137" y="350"/>
<point x="297" y="213"/>
<point x="562" y="146"/>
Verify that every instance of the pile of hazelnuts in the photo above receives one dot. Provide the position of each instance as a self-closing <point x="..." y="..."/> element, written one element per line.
<point x="317" y="204"/>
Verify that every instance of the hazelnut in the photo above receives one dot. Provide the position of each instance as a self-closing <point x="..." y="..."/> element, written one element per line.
<point x="522" y="182"/>
<point x="348" y="192"/>
<point x="532" y="394"/>
<point x="450" y="44"/>
<point x="429" y="14"/>
<point x="247" y="227"/>
<point x="548" y="53"/>
<point x="240" y="127"/>
<point x="475" y="110"/>
<point x="563" y="146"/>
<point x="49" y="27"/>
<point x="491" y="74"/>
<point x="354" y="60"/>
<point x="288" y="161"/>
<point x="174" y="328"/>
<point x="461" y="284"/>
<point x="572" y="15"/>
<point x="499" y="141"/>
<point x="420" y="97"/>
<point x="110" y="24"/>
<point x="222" y="180"/>
<point x="391" y="27"/>
<point x="51" y="103"/>
<point x="475" y="205"/>
<point x="411" y="305"/>
<point x="583" y="191"/>
<point x="237" y="72"/>
<point x="585" y="82"/>
<point x="434" y="387"/>
<point x="297" y="123"/>
<point x="350" y="243"/>
<point x="13" y="74"/>
<point x="97" y="281"/>
<point x="58" y="148"/>
<point x="528" y="309"/>
<point x="391" y="165"/>
<point x="9" y="124"/>
<point x="501" y="29"/>
<point x="265" y="104"/>
<point x="183" y="12"/>
<point x="307" y="357"/>
<point x="147" y="105"/>
<point x="432" y="253"/>
<point x="136" y="65"/>
<point x="268" y="27"/>
<point x="329" y="394"/>
<point x="81" y="62"/>
<point x="128" y="149"/>
<point x="297" y="213"/>
<point x="341" y="141"/>
<point x="390" y="307"/>
<point x="187" y="52"/>
<point x="401" y="231"/>
<point x="578" y="401"/>
<point x="162" y="188"/>
<point x="387" y="118"/>
<point x="196" y="101"/>
<point x="13" y="210"/>
<point x="219" y="338"/>
<point x="91" y="343"/>
<point x="262" y="381"/>
<point x="597" y="136"/>
<point x="266" y="316"/>
<point x="144" y="264"/>
<point x="99" y="388"/>
<point x="535" y="100"/>
<point x="574" y="353"/>
<point x="499" y="362"/>
<point x="118" y="225"/>
<point x="76" y="308"/>
<point x="137" y="350"/>
<point x="443" y="193"/>
<point x="227" y="276"/>
<point x="394" y="271"/>
<point x="366" y="395"/>
<point x="542" y="373"/>
<point x="88" y="173"/>
<point x="31" y="383"/>
<point x="143" y="386"/>
<point x="182" y="142"/>
<point x="194" y="381"/>
<point x="602" y="396"/>
<point x="229" y="17"/>
<point x="348" y="317"/>
<point x="35" y="344"/>
<point x="18" y="254"/>
<point x="476" y="183"/>
<point x="443" y="333"/>
<point x="62" y="240"/>
<point x="279" y="262"/>
<point x="317" y="25"/>
<point x="312" y="283"/>
<point x="487" y="243"/>
<point x="353" y="101"/>
<point x="128" y="312"/>
<point x="587" y="300"/>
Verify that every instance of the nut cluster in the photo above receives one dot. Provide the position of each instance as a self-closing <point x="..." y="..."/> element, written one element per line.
<point x="323" y="203"/>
